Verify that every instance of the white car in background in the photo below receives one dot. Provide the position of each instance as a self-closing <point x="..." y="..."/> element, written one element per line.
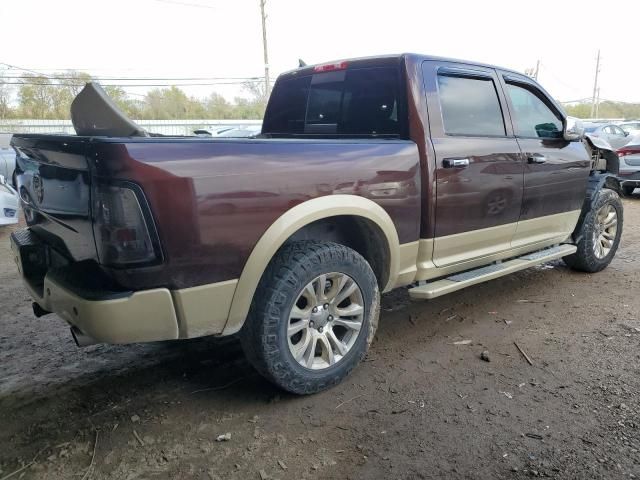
<point x="8" y="203"/>
<point x="7" y="163"/>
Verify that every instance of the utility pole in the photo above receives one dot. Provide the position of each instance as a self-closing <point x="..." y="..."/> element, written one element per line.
<point x="533" y="72"/>
<point x="598" y="103"/>
<point x="595" y="87"/>
<point x="267" y="85"/>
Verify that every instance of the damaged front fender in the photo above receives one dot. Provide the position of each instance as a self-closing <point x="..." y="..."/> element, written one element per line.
<point x="604" y="157"/>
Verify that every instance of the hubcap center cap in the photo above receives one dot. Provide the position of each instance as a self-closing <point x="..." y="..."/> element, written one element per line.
<point x="320" y="318"/>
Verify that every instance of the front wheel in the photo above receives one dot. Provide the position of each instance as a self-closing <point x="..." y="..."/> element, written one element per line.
<point x="599" y="234"/>
<point x="313" y="316"/>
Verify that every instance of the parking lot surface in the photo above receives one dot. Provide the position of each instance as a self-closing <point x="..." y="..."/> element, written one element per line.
<point x="424" y="404"/>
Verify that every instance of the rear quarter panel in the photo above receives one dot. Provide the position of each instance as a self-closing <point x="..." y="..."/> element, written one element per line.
<point x="212" y="200"/>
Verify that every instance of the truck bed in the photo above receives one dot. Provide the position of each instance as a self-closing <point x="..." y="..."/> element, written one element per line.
<point x="210" y="199"/>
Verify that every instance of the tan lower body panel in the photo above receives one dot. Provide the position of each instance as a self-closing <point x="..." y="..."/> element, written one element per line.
<point x="470" y="248"/>
<point x="540" y="229"/>
<point x="452" y="249"/>
<point x="204" y="310"/>
<point x="407" y="264"/>
<point x="144" y="316"/>
<point x="161" y="314"/>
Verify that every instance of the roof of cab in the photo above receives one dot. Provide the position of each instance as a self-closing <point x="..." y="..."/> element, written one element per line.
<point x="391" y="60"/>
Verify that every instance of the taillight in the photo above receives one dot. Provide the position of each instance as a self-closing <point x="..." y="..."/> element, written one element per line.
<point x="121" y="228"/>
<point x="628" y="151"/>
<point x="330" y="67"/>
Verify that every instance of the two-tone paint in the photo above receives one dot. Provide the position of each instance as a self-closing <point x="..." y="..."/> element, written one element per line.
<point x="222" y="207"/>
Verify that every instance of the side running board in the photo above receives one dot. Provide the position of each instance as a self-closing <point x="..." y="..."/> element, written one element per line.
<point x="427" y="290"/>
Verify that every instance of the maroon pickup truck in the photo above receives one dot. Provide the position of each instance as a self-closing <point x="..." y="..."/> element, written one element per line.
<point x="369" y="175"/>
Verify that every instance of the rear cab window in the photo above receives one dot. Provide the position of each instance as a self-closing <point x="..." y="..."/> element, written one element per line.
<point x="352" y="102"/>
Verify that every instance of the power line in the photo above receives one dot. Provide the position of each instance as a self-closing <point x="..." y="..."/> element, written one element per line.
<point x="15" y="67"/>
<point x="128" y="85"/>
<point x="186" y="4"/>
<point x="137" y="79"/>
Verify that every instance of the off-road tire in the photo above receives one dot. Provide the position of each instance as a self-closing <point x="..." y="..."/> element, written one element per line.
<point x="263" y="335"/>
<point x="585" y="259"/>
<point x="628" y="190"/>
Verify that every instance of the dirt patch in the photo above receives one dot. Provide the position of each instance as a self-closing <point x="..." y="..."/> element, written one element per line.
<point x="424" y="404"/>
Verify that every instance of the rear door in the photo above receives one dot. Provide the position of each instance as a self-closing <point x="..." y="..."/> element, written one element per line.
<point x="556" y="170"/>
<point x="479" y="167"/>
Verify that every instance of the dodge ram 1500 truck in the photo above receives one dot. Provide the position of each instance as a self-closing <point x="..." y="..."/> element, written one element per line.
<point x="369" y="174"/>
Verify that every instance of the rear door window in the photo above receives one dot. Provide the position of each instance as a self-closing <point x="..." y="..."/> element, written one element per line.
<point x="470" y="106"/>
<point x="357" y="102"/>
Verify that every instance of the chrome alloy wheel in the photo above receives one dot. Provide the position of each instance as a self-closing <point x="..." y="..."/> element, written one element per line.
<point x="604" y="234"/>
<point x="325" y="320"/>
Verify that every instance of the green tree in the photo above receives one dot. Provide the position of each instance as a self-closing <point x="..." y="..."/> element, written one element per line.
<point x="171" y="104"/>
<point x="6" y="93"/>
<point x="606" y="109"/>
<point x="36" y="97"/>
<point x="217" y="107"/>
<point x="131" y="108"/>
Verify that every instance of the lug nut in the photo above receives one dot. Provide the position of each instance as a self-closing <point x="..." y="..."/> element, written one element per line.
<point x="326" y="306"/>
<point x="315" y="310"/>
<point x="330" y="318"/>
<point x="320" y="329"/>
<point x="311" y="323"/>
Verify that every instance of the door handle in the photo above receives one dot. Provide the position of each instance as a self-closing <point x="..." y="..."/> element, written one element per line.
<point x="536" y="158"/>
<point x="455" y="162"/>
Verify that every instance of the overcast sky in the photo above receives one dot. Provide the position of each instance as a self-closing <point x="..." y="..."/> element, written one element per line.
<point x="222" y="38"/>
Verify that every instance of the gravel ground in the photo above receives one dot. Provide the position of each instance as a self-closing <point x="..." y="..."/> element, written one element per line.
<point x="420" y="406"/>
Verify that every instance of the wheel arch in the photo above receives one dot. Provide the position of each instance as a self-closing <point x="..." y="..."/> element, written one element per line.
<point x="596" y="182"/>
<point x="294" y="221"/>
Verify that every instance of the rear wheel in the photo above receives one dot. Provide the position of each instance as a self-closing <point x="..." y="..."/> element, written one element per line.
<point x="313" y="316"/>
<point x="599" y="235"/>
<point x="628" y="190"/>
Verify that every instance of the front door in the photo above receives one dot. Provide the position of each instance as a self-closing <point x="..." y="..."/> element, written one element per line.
<point x="556" y="170"/>
<point x="479" y="168"/>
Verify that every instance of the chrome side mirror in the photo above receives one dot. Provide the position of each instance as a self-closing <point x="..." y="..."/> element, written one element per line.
<point x="573" y="130"/>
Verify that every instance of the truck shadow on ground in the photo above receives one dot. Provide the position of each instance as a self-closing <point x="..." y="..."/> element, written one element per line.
<point x="207" y="368"/>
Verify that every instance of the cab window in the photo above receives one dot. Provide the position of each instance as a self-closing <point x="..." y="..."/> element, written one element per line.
<point x="470" y="106"/>
<point x="532" y="117"/>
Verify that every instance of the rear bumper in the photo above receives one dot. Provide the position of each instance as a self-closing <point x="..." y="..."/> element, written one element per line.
<point x="76" y="294"/>
<point x="144" y="316"/>
<point x="629" y="178"/>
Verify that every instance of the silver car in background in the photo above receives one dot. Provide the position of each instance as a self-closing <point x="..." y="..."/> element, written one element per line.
<point x="629" y="173"/>
<point x="613" y="134"/>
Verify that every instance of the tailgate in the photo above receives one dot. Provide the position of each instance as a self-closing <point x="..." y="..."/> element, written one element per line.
<point x="54" y="186"/>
